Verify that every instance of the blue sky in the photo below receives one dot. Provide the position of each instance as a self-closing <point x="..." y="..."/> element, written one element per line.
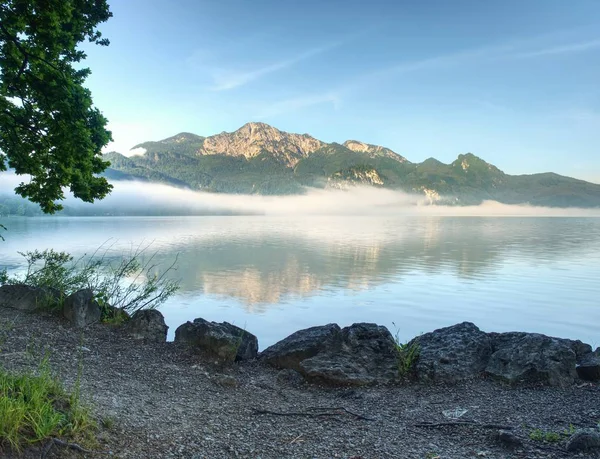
<point x="515" y="82"/>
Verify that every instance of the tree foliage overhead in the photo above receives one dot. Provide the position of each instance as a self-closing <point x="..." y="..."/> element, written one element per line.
<point x="49" y="128"/>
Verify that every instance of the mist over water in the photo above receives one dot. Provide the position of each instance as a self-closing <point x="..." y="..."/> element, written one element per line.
<point x="355" y="201"/>
<point x="135" y="197"/>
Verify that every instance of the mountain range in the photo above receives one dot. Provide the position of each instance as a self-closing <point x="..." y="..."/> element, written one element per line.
<point x="260" y="159"/>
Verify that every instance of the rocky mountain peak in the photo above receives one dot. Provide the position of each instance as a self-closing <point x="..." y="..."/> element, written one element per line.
<point x="373" y="150"/>
<point x="471" y="163"/>
<point x="258" y="127"/>
<point x="252" y="139"/>
<point x="182" y="137"/>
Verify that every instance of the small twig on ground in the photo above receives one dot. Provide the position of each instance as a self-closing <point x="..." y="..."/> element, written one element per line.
<point x="64" y="444"/>
<point x="356" y="415"/>
<point x="316" y="412"/>
<point x="298" y="439"/>
<point x="462" y="423"/>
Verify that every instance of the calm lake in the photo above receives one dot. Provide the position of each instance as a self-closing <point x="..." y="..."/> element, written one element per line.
<point x="275" y="275"/>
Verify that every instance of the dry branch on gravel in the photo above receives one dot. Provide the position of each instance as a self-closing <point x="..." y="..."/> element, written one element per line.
<point x="315" y="412"/>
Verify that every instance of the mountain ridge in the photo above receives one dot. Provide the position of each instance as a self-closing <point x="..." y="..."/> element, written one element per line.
<point x="260" y="159"/>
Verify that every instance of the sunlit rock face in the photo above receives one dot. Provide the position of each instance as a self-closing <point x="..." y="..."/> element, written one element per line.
<point x="373" y="150"/>
<point x="252" y="139"/>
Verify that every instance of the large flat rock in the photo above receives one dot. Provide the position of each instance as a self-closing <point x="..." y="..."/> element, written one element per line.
<point x="222" y="340"/>
<point x="453" y="353"/>
<point x="26" y="298"/>
<point x="302" y="345"/>
<point x="361" y="354"/>
<point x="534" y="358"/>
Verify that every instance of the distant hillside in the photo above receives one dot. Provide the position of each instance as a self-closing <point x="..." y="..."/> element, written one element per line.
<point x="260" y="159"/>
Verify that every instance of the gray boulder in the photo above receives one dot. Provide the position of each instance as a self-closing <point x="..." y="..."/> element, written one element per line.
<point x="581" y="349"/>
<point x="81" y="309"/>
<point x="533" y="358"/>
<point x="26" y="298"/>
<point x="224" y="341"/>
<point x="452" y="353"/>
<point x="148" y="324"/>
<point x="588" y="368"/>
<point x="301" y="345"/>
<point x="502" y="340"/>
<point x="584" y="440"/>
<point x="361" y="354"/>
<point x="367" y="355"/>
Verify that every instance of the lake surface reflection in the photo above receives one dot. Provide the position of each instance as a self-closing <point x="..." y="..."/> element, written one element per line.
<point x="274" y="275"/>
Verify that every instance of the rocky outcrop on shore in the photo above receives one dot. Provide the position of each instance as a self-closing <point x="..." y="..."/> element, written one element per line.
<point x="361" y="354"/>
<point x="25" y="297"/>
<point x="358" y="355"/>
<point x="82" y="309"/>
<point x="223" y="341"/>
<point x="148" y="324"/>
<point x="463" y="351"/>
<point x="535" y="358"/>
<point x="589" y="367"/>
<point x="367" y="354"/>
<point x="453" y="353"/>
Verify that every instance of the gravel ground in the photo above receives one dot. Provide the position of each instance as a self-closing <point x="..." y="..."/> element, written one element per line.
<point x="166" y="402"/>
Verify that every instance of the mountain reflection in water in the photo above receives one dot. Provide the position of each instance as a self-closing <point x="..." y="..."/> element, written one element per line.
<point x="260" y="263"/>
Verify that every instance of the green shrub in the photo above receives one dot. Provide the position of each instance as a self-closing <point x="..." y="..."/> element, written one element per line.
<point x="126" y="284"/>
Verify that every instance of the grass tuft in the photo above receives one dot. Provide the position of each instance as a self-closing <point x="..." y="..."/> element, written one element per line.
<point x="35" y="408"/>
<point x="551" y="436"/>
<point x="408" y="354"/>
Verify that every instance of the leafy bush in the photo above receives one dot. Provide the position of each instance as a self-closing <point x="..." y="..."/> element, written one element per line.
<point x="124" y="285"/>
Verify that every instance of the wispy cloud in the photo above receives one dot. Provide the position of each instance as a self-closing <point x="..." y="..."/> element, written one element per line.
<point x="511" y="50"/>
<point x="335" y="95"/>
<point x="480" y="55"/>
<point x="297" y="103"/>
<point x="486" y="54"/>
<point x="225" y="80"/>
<point x="432" y="63"/>
<point x="562" y="49"/>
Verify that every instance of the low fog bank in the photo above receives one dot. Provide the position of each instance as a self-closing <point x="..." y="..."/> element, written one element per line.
<point x="355" y="201"/>
<point x="142" y="198"/>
